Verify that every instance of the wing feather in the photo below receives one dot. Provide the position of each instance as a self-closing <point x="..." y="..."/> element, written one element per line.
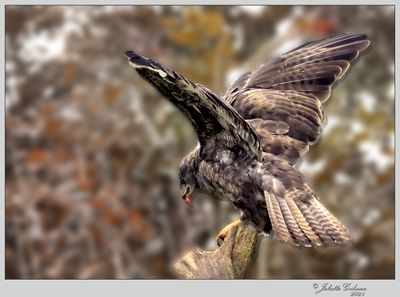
<point x="210" y="116"/>
<point x="292" y="89"/>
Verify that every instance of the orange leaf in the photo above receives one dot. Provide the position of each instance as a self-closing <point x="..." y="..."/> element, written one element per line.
<point x="37" y="156"/>
<point x="111" y="93"/>
<point x="135" y="218"/>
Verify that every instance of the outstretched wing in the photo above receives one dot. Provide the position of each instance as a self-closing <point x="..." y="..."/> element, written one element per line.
<point x="282" y="100"/>
<point x="212" y="118"/>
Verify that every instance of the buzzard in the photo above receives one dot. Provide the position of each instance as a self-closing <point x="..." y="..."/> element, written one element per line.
<point x="251" y="138"/>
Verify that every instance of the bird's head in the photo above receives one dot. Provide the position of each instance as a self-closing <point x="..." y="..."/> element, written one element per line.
<point x="187" y="180"/>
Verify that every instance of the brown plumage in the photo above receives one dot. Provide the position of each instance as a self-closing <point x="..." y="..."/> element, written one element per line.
<point x="290" y="91"/>
<point x="252" y="136"/>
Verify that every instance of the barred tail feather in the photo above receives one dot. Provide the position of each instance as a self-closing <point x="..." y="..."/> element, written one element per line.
<point x="278" y="223"/>
<point x="299" y="236"/>
<point x="298" y="217"/>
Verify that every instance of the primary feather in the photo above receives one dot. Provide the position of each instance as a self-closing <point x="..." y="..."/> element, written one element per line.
<point x="290" y="90"/>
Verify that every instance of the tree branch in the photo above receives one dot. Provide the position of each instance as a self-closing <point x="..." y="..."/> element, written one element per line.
<point x="230" y="261"/>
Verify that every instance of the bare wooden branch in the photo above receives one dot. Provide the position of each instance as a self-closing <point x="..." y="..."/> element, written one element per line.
<point x="230" y="261"/>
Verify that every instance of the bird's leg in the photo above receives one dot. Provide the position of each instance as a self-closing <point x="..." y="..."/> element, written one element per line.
<point x="224" y="232"/>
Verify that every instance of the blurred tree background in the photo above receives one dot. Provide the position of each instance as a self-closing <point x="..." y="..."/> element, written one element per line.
<point x="92" y="151"/>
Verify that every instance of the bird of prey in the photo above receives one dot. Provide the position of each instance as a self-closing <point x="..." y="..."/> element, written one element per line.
<point x="251" y="138"/>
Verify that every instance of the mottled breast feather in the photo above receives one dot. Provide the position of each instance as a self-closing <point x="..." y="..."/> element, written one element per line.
<point x="282" y="100"/>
